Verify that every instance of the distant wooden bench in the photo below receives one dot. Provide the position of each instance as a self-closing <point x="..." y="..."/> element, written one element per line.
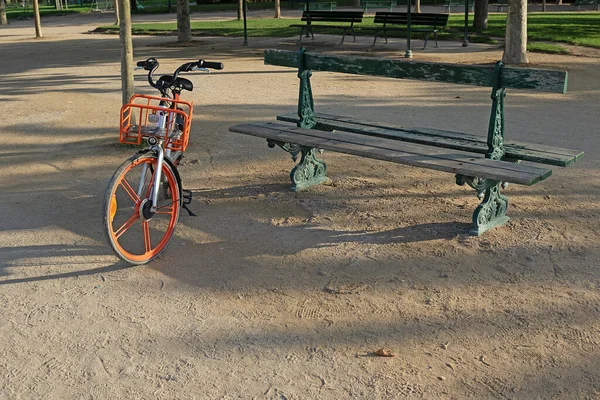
<point x="484" y="164"/>
<point x="389" y="4"/>
<point x="457" y="3"/>
<point x="397" y="22"/>
<point x="579" y="3"/>
<point x="321" y="17"/>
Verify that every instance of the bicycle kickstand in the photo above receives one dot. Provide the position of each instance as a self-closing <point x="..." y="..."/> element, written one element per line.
<point x="187" y="199"/>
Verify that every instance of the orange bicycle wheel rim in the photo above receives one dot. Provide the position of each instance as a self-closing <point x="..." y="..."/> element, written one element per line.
<point x="136" y="234"/>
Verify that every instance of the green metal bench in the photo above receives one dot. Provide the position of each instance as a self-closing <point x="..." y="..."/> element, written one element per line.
<point x="397" y="22"/>
<point x="579" y="3"/>
<point x="314" y="5"/>
<point x="485" y="164"/>
<point x="499" y="4"/>
<point x="389" y="4"/>
<point x="320" y="17"/>
<point x="457" y="3"/>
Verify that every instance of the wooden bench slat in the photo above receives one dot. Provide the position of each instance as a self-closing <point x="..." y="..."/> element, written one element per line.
<point x="399" y="152"/>
<point x="477" y="75"/>
<point x="446" y="139"/>
<point x="415" y="19"/>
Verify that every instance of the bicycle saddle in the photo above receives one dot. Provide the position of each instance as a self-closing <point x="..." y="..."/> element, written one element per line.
<point x="180" y="83"/>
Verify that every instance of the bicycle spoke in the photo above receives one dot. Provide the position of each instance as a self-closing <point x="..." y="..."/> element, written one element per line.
<point x="129" y="190"/>
<point x="164" y="210"/>
<point x="126" y="225"/>
<point x="147" y="244"/>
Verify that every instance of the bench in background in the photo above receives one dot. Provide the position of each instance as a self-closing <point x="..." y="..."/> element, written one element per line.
<point x="457" y="3"/>
<point x="579" y="3"/>
<point x="389" y="4"/>
<point x="500" y="4"/>
<point x="349" y="18"/>
<point x="485" y="164"/>
<point x="397" y="22"/>
<point x="313" y="5"/>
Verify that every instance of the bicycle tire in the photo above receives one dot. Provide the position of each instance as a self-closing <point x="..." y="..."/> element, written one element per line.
<point x="135" y="234"/>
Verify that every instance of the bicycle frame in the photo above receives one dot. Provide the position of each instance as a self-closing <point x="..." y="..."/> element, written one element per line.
<point x="163" y="119"/>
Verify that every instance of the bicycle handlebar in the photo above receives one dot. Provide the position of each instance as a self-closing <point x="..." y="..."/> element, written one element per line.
<point x="151" y="64"/>
<point x="210" y="64"/>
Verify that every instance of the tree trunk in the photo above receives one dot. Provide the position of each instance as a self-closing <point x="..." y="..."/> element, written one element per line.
<point x="277" y="9"/>
<point x="515" y="41"/>
<point x="36" y="19"/>
<point x="480" y="19"/>
<point x="417" y="6"/>
<point x="184" y="30"/>
<point x="117" y="19"/>
<point x="240" y="10"/>
<point x="58" y="4"/>
<point x="126" y="50"/>
<point x="3" y="19"/>
<point x="544" y="5"/>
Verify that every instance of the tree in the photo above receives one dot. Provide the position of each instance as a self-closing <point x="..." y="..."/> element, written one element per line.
<point x="36" y="19"/>
<point x="184" y="30"/>
<point x="277" y="9"/>
<point x="126" y="50"/>
<point x="515" y="41"/>
<point x="480" y="19"/>
<point x="58" y="4"/>
<point x="417" y="6"/>
<point x="3" y="19"/>
<point x="117" y="20"/>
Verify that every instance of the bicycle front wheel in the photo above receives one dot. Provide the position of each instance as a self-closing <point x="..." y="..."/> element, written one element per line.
<point x="135" y="231"/>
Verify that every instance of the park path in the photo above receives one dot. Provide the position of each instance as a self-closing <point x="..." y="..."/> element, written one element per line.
<point x="272" y="294"/>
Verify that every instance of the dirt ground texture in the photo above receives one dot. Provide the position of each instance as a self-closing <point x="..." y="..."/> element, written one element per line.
<point x="270" y="294"/>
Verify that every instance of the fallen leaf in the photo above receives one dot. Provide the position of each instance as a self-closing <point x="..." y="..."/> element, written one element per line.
<point x="384" y="353"/>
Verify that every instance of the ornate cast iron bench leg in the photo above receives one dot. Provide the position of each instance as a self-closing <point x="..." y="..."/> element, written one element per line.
<point x="492" y="210"/>
<point x="309" y="171"/>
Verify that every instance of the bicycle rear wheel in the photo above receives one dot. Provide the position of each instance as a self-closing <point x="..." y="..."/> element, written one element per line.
<point x="136" y="234"/>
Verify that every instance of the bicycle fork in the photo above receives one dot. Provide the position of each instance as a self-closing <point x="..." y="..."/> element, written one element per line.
<point x="186" y="195"/>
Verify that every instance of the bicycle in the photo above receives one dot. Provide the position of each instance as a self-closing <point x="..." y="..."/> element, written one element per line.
<point x="144" y="196"/>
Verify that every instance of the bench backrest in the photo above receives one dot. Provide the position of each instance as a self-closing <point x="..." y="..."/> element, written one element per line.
<point x="401" y="18"/>
<point x="474" y="75"/>
<point x="332" y="16"/>
<point x="497" y="77"/>
<point x="374" y="3"/>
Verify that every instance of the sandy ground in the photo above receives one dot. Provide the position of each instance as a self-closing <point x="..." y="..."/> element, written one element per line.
<point x="270" y="294"/>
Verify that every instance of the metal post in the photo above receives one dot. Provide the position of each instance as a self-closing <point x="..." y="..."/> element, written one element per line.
<point x="245" y="27"/>
<point x="308" y="27"/>
<point x="466" y="38"/>
<point x="408" y="53"/>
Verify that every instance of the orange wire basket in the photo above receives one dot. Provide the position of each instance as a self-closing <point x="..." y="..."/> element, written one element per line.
<point x="139" y="120"/>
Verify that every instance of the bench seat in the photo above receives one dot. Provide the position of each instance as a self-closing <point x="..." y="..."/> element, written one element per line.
<point x="515" y="150"/>
<point x="399" y="152"/>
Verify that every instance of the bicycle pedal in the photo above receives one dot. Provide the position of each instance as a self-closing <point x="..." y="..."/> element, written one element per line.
<point x="187" y="199"/>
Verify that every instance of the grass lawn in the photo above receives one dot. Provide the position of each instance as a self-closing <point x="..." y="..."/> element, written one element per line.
<point x="15" y="11"/>
<point x="574" y="28"/>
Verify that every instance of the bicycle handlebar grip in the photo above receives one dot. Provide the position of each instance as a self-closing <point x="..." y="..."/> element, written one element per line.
<point x="212" y="65"/>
